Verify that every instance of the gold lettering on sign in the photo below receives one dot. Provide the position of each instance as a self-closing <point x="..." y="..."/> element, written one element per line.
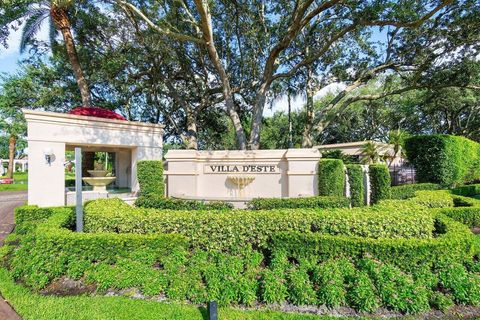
<point x="240" y="168"/>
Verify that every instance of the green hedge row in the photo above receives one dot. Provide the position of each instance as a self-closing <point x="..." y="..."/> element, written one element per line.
<point x="160" y="202"/>
<point x="467" y="190"/>
<point x="457" y="243"/>
<point x="161" y="265"/>
<point x="294" y="203"/>
<point x="51" y="249"/>
<point x="331" y="178"/>
<point x="408" y="190"/>
<point x="380" y="182"/>
<point x="357" y="188"/>
<point x="150" y="177"/>
<point x="302" y="267"/>
<point x="230" y="230"/>
<point x="447" y="160"/>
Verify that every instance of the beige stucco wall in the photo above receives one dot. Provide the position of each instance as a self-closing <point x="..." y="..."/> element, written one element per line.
<point x="46" y="187"/>
<point x="277" y="173"/>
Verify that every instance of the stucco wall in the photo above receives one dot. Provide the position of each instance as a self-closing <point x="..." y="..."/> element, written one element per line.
<point x="136" y="141"/>
<point x="207" y="174"/>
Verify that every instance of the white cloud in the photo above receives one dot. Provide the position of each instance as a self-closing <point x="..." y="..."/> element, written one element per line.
<point x="15" y="36"/>
<point x="298" y="102"/>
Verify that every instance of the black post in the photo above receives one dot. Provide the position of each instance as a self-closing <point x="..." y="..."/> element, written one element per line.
<point x="212" y="310"/>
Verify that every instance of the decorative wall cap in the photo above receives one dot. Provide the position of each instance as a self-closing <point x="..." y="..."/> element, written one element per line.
<point x="236" y="155"/>
<point x="69" y="119"/>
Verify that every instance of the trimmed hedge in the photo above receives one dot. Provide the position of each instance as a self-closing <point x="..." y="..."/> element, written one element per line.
<point x="231" y="230"/>
<point x="160" y="202"/>
<point x="408" y="190"/>
<point x="468" y="190"/>
<point x="26" y="217"/>
<point x="357" y="188"/>
<point x="444" y="159"/>
<point x="302" y="267"/>
<point x="331" y="178"/>
<point x="294" y="203"/>
<point x="150" y="177"/>
<point x="47" y="252"/>
<point x="380" y="182"/>
<point x="457" y="244"/>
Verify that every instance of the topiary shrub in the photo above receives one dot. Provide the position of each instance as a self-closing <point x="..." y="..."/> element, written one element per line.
<point x="380" y="183"/>
<point x="447" y="160"/>
<point x="331" y="177"/>
<point x="357" y="189"/>
<point x="150" y="177"/>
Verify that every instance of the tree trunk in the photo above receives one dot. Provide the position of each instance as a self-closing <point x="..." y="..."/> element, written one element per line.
<point x="206" y="25"/>
<point x="307" y="131"/>
<point x="260" y="100"/>
<point x="290" y="129"/>
<point x="12" y="141"/>
<point x="191" y="138"/>
<point x="61" y="21"/>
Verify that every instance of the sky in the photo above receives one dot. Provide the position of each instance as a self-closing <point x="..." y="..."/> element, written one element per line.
<point x="10" y="57"/>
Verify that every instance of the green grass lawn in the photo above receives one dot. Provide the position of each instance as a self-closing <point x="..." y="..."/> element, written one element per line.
<point x="19" y="182"/>
<point x="32" y="306"/>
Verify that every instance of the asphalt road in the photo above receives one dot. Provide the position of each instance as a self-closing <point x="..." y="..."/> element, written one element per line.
<point x="9" y="200"/>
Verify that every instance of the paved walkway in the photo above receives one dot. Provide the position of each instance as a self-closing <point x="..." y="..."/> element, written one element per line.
<point x="8" y="202"/>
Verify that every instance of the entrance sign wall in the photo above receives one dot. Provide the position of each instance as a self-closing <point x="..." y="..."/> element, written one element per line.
<point x="239" y="176"/>
<point x="58" y="132"/>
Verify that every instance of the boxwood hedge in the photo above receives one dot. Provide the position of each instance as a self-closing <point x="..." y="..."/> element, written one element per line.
<point x="293" y="203"/>
<point x="444" y="159"/>
<point x="160" y="202"/>
<point x="331" y="178"/>
<point x="299" y="266"/>
<point x="230" y="230"/>
<point x="380" y="182"/>
<point x="357" y="189"/>
<point x="150" y="177"/>
<point x="408" y="190"/>
<point x="467" y="190"/>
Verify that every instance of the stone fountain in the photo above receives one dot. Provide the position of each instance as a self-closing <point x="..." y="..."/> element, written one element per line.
<point x="98" y="179"/>
<point x="241" y="181"/>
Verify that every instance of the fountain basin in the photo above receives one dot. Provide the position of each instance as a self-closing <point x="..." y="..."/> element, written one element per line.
<point x="97" y="173"/>
<point x="99" y="183"/>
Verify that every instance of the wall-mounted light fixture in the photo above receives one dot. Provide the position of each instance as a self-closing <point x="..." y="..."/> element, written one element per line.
<point x="48" y="152"/>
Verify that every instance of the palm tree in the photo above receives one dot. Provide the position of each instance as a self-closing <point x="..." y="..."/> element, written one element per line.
<point x="56" y="12"/>
<point x="370" y="153"/>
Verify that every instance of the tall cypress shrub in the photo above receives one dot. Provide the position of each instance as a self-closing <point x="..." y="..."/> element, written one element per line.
<point x="380" y="183"/>
<point x="357" y="189"/>
<point x="150" y="178"/>
<point x="447" y="160"/>
<point x="331" y="177"/>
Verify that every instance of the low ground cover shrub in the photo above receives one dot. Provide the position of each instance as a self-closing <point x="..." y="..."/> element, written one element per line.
<point x="292" y="203"/>
<point x="331" y="178"/>
<point x="150" y="177"/>
<point x="444" y="159"/>
<point x="408" y="190"/>
<point x="160" y="202"/>
<point x="355" y="180"/>
<point x="228" y="230"/>
<point x="380" y="182"/>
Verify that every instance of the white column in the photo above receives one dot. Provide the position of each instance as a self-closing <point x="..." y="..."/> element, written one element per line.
<point x="46" y="182"/>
